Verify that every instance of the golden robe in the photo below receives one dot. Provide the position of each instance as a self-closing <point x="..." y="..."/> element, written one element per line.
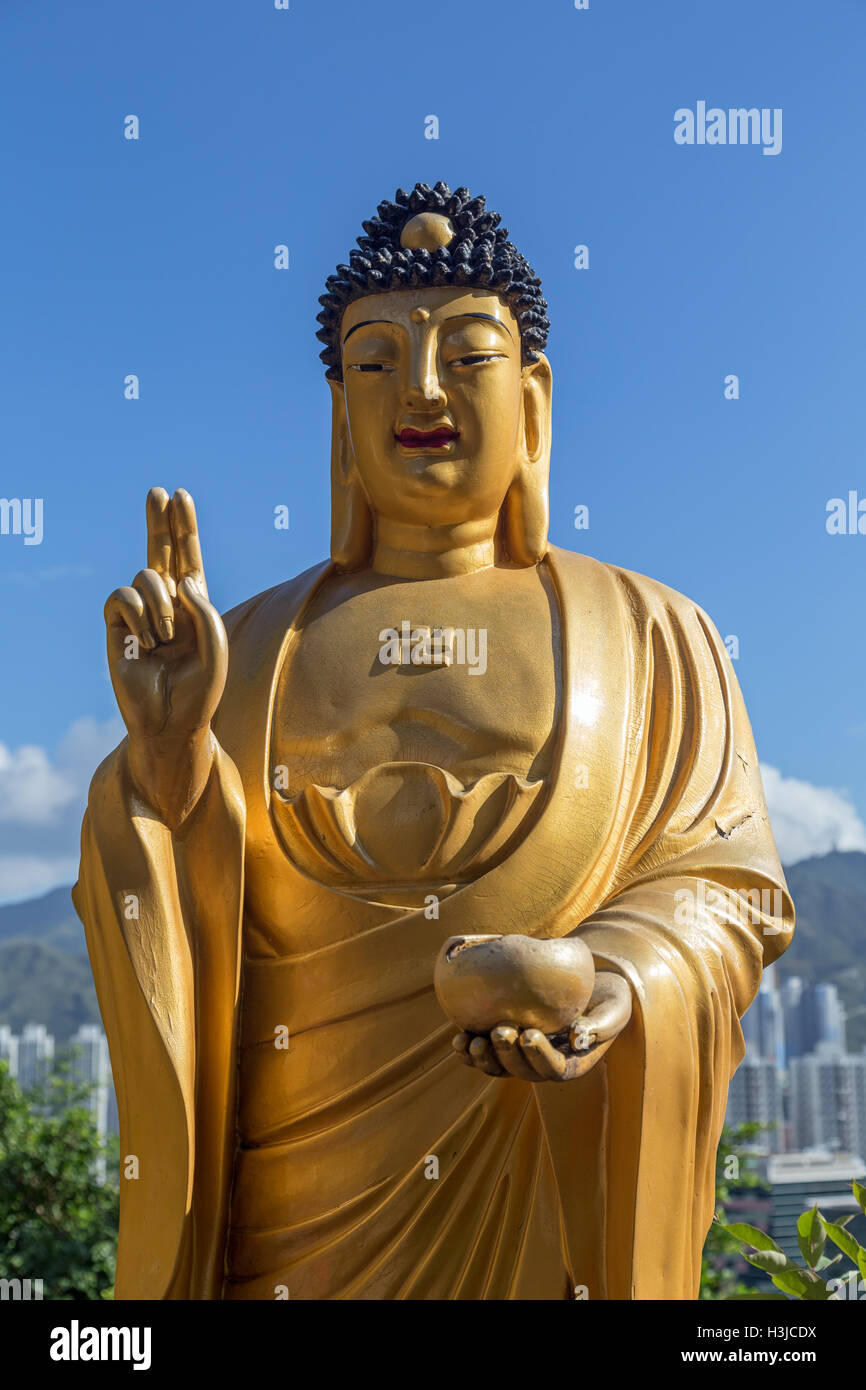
<point x="311" y="1176"/>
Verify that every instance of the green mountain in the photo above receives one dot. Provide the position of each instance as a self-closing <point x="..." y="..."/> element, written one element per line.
<point x="39" y="984"/>
<point x="44" y="971"/>
<point x="45" y="976"/>
<point x="830" y="939"/>
<point x="51" y="920"/>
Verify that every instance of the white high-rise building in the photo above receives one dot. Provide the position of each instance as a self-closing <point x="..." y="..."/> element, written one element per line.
<point x="763" y="1023"/>
<point x="828" y="1099"/>
<point x="35" y="1055"/>
<point x="90" y="1064"/>
<point x="9" y="1048"/>
<point x="829" y="1016"/>
<point x="813" y="1014"/>
<point x="755" y="1095"/>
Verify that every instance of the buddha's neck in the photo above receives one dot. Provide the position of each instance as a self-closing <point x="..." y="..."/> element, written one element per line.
<point x="433" y="552"/>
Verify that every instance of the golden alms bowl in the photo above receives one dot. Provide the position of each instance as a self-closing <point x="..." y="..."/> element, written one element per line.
<point x="482" y="981"/>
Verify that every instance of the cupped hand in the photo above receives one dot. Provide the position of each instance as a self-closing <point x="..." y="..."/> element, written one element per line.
<point x="530" y="1055"/>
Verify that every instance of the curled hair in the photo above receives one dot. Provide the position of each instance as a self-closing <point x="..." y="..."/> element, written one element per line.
<point x="479" y="256"/>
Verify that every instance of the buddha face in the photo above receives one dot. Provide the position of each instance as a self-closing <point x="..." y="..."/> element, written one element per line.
<point x="436" y="403"/>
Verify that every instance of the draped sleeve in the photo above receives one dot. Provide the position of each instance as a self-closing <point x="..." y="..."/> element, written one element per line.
<point x="162" y="918"/>
<point x="693" y="905"/>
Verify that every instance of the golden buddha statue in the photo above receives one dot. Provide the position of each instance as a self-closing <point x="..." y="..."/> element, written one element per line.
<point x="449" y="730"/>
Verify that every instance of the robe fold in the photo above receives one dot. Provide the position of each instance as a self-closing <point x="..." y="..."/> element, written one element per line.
<point x="308" y="1177"/>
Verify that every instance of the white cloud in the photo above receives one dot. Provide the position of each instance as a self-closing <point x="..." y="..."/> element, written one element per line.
<point x="42" y="800"/>
<point x="29" y="876"/>
<point x="809" y="820"/>
<point x="32" y="791"/>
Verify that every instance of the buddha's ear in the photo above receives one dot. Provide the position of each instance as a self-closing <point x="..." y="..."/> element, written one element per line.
<point x="526" y="509"/>
<point x="351" y="517"/>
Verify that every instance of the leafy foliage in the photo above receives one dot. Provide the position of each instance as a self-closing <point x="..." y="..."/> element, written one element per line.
<point x="813" y="1231"/>
<point x="735" y="1173"/>
<point x="58" y="1222"/>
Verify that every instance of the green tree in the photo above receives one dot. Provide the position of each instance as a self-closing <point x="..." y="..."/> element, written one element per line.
<point x="806" y="1281"/>
<point x="58" y="1222"/>
<point x="736" y="1172"/>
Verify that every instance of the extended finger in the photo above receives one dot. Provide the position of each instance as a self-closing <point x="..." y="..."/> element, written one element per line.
<point x="157" y="601"/>
<point x="505" y="1039"/>
<point x="184" y="530"/>
<point x="210" y="635"/>
<point x="160" y="549"/>
<point x="125" y="608"/>
<point x="542" y="1055"/>
<point x="484" y="1057"/>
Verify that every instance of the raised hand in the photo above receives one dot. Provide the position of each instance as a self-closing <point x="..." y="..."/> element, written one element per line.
<point x="168" y="658"/>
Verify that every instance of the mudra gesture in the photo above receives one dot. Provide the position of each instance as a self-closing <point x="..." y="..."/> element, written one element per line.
<point x="323" y="788"/>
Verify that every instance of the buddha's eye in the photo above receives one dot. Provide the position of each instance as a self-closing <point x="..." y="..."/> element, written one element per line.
<point x="472" y="359"/>
<point x="366" y="366"/>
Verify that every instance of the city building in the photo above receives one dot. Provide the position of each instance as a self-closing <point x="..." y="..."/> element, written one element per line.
<point x="756" y="1095"/>
<point x="35" y="1055"/>
<point x="792" y="997"/>
<point x="819" y="1104"/>
<point x="813" y="1014"/>
<point x="829" y="1015"/>
<point x="9" y="1048"/>
<point x="90" y="1065"/>
<point x="799" y="1181"/>
<point x="31" y="1056"/>
<point x="763" y="1023"/>
<point x="828" y="1100"/>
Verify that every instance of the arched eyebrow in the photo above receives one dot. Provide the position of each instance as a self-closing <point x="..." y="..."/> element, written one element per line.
<point x="491" y="318"/>
<point x="365" y="324"/>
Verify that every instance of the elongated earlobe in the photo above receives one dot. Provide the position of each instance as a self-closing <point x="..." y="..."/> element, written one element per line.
<point x="526" y="509"/>
<point x="525" y="519"/>
<point x="351" y="517"/>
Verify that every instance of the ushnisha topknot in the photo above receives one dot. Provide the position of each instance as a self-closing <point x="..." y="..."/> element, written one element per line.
<point x="432" y="236"/>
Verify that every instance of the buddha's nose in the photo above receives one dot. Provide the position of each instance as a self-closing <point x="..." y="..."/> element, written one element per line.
<point x="427" y="392"/>
<point x="423" y="388"/>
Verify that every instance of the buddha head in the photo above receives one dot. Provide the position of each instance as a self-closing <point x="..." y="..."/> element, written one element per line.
<point x="441" y="392"/>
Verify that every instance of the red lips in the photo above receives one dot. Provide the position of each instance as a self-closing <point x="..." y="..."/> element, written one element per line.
<point x="426" y="439"/>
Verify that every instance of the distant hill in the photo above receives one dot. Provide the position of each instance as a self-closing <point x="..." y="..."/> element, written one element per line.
<point x="830" y="939"/>
<point x="51" y="920"/>
<point x="39" y="984"/>
<point x="49" y="981"/>
<point x="44" y="971"/>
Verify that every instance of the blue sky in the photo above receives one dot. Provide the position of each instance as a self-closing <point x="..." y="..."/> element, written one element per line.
<point x="260" y="127"/>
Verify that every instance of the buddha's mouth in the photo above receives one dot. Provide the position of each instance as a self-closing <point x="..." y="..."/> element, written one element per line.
<point x="438" y="438"/>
